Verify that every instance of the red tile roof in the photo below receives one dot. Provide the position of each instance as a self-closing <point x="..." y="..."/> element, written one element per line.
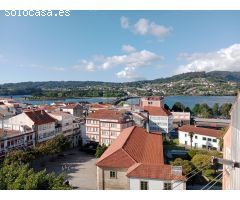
<point x="163" y="172"/>
<point x="157" y="111"/>
<point x="70" y="106"/>
<point x="108" y="114"/>
<point x="201" y="131"/>
<point x="135" y="148"/>
<point x="39" y="117"/>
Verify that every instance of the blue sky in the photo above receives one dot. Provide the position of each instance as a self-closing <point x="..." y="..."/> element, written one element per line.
<point x="118" y="45"/>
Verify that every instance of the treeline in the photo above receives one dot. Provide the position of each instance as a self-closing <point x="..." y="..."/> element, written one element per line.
<point x="80" y="93"/>
<point x="203" y="110"/>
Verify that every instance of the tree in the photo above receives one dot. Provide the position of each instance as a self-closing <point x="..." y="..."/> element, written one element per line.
<point x="178" y="107"/>
<point x="187" y="166"/>
<point x="225" y="109"/>
<point x="100" y="150"/>
<point x="201" y="161"/>
<point x="215" y="109"/>
<point x="187" y="109"/>
<point x="195" y="109"/>
<point x="166" y="107"/>
<point x="14" y="176"/>
<point x="205" y="111"/>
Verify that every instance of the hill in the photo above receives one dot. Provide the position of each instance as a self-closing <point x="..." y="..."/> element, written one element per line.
<point x="192" y="83"/>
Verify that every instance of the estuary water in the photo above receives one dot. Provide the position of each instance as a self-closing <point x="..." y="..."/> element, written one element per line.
<point x="189" y="101"/>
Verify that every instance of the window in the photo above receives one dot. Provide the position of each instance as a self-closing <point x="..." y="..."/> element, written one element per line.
<point x="104" y="132"/>
<point x="195" y="145"/>
<point x="113" y="125"/>
<point x="185" y="135"/>
<point x="214" y="140"/>
<point x="167" y="186"/>
<point x="185" y="142"/>
<point x="143" y="185"/>
<point x="113" y="133"/>
<point x="204" y="146"/>
<point x="204" y="138"/>
<point x="209" y="139"/>
<point x="113" y="174"/>
<point x="195" y="137"/>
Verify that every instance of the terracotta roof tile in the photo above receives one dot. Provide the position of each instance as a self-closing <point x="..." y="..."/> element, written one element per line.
<point x="200" y="130"/>
<point x="109" y="114"/>
<point x="140" y="152"/>
<point x="157" y="111"/>
<point x="39" y="117"/>
<point x="163" y="172"/>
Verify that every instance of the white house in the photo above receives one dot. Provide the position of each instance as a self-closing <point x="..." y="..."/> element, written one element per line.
<point x="15" y="139"/>
<point x="203" y="138"/>
<point x="38" y="120"/>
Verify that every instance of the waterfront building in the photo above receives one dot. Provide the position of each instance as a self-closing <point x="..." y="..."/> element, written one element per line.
<point x="155" y="101"/>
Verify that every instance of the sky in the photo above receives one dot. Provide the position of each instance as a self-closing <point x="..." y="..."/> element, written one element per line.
<point x="118" y="46"/>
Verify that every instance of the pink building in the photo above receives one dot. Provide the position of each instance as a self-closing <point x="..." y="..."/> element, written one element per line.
<point x="104" y="126"/>
<point x="231" y="149"/>
<point x="155" y="101"/>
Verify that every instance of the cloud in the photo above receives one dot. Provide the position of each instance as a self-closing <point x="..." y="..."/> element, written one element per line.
<point x="124" y="22"/>
<point x="130" y="62"/>
<point x="225" y="59"/>
<point x="146" y="27"/>
<point x="128" y="48"/>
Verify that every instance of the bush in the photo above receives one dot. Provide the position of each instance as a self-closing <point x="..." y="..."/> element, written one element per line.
<point x="201" y="161"/>
<point x="209" y="173"/>
<point x="187" y="166"/>
<point x="100" y="150"/>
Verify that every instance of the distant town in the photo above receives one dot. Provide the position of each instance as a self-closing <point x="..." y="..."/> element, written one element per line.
<point x="145" y="146"/>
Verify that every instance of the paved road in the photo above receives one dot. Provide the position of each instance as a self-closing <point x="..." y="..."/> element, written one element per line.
<point x="79" y="168"/>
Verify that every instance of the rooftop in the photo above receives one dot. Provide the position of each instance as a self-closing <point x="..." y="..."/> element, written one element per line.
<point x="135" y="149"/>
<point x="39" y="117"/>
<point x="157" y="111"/>
<point x="106" y="114"/>
<point x="201" y="131"/>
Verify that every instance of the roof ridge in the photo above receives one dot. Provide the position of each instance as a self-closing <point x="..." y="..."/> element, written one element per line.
<point x="134" y="127"/>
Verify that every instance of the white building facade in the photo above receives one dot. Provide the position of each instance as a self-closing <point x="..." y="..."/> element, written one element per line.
<point x="202" y="138"/>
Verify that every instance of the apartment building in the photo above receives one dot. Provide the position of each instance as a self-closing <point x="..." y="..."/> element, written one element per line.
<point x="134" y="161"/>
<point x="231" y="149"/>
<point x="104" y="126"/>
<point x="202" y="138"/>
<point x="74" y="109"/>
<point x="159" y="119"/>
<point x="15" y="139"/>
<point x="68" y="126"/>
<point x="38" y="120"/>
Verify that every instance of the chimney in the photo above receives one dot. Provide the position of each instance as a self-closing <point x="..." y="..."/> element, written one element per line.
<point x="177" y="170"/>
